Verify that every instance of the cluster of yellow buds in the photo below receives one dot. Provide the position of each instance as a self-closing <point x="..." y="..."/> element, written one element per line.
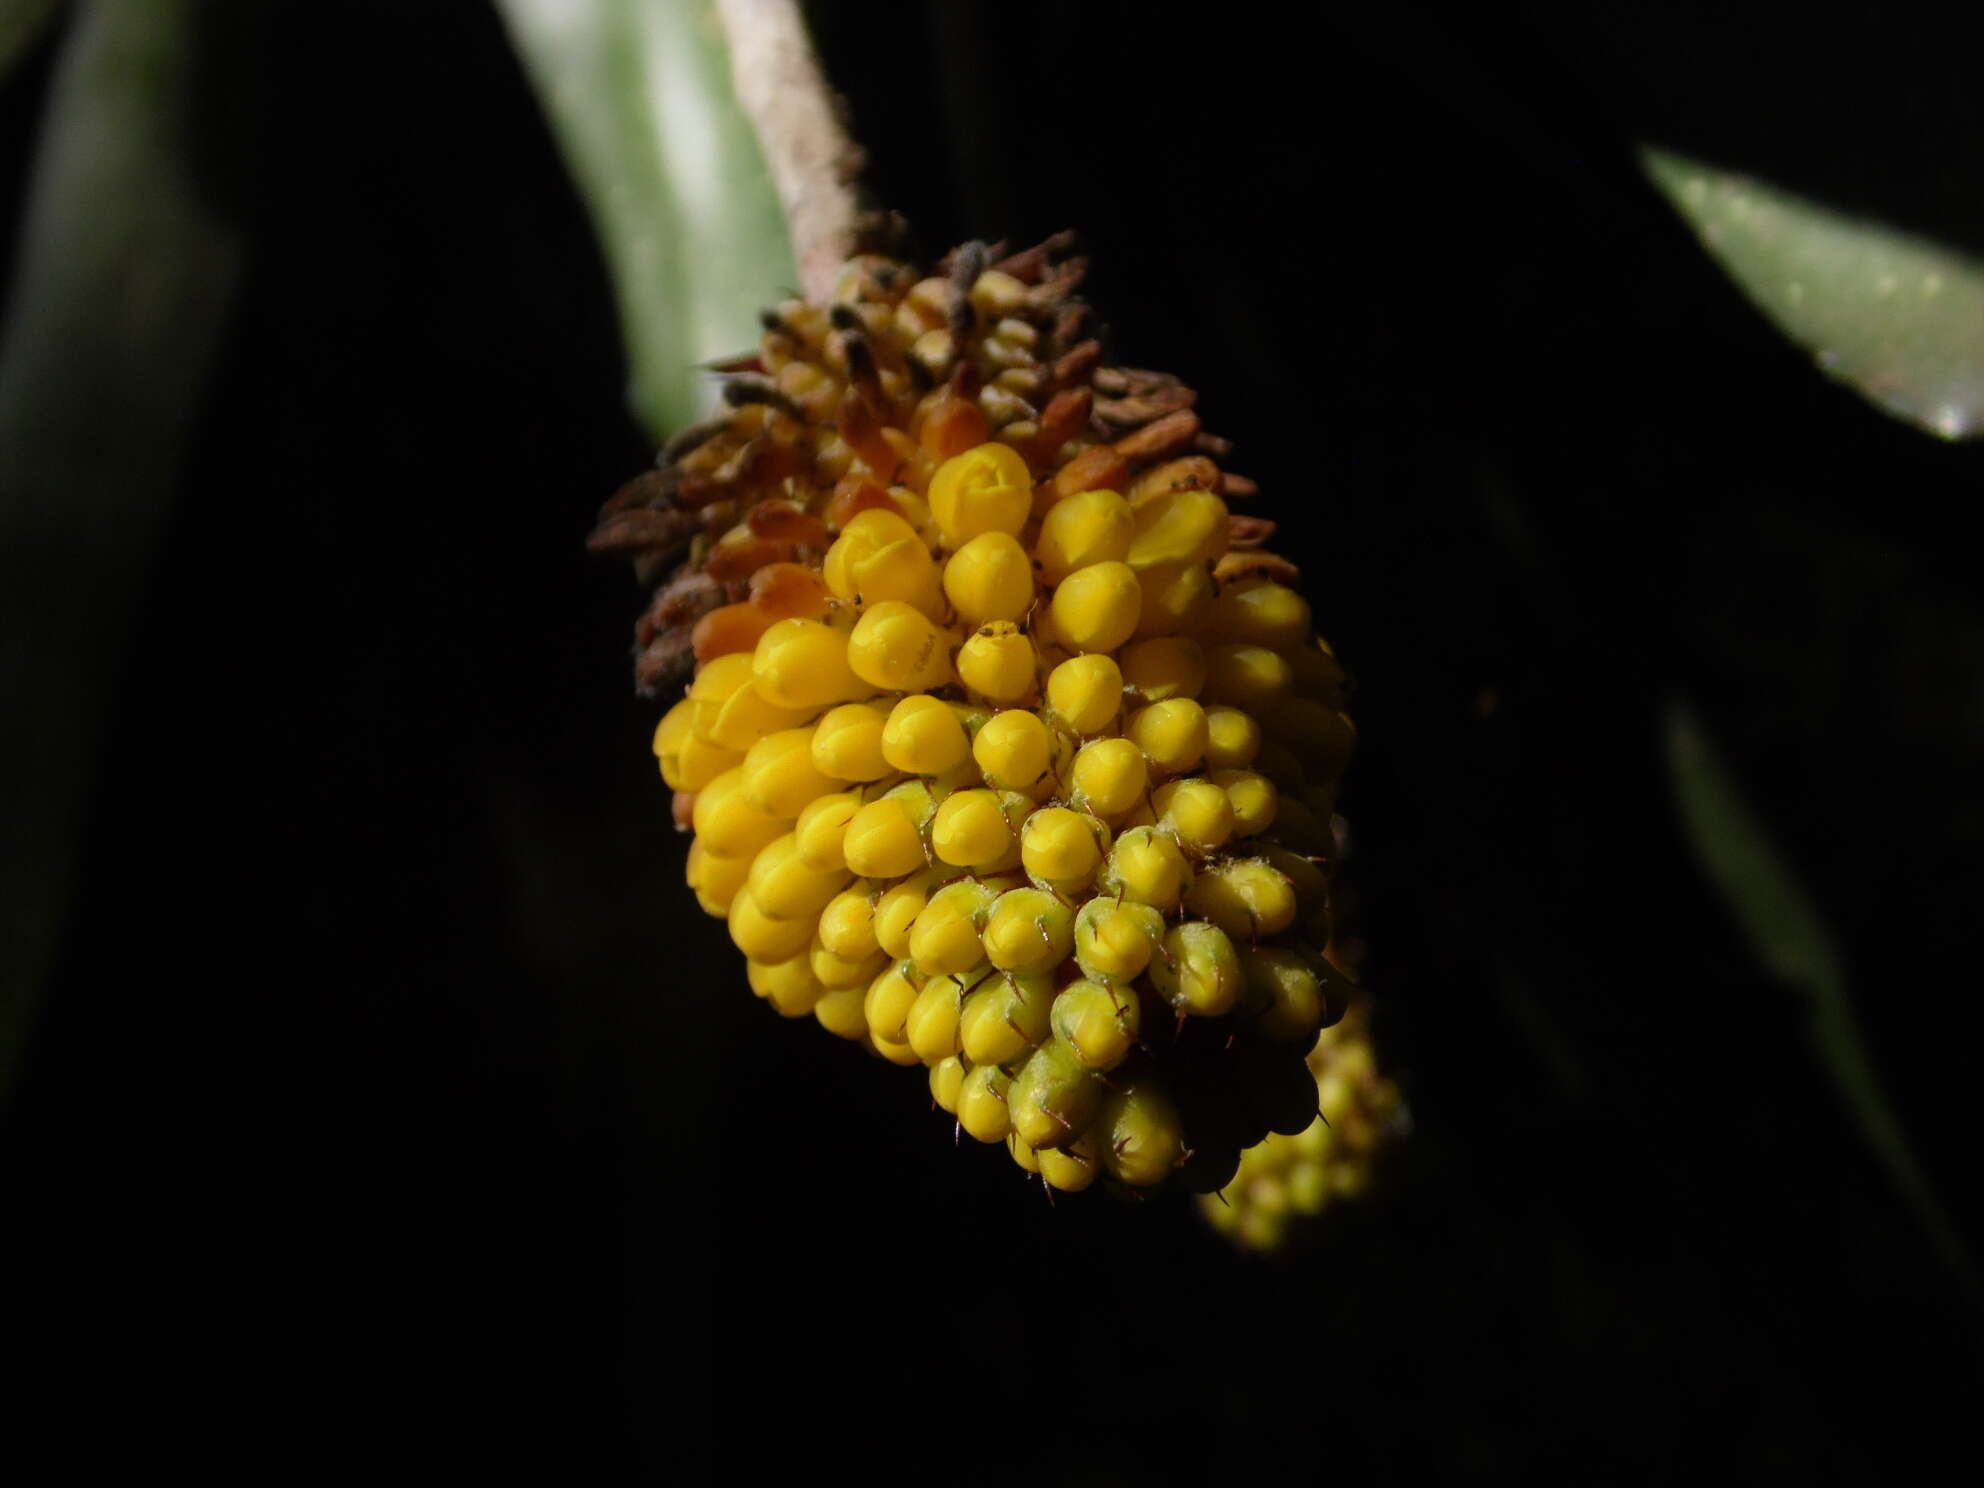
<point x="1286" y="1182"/>
<point x="1008" y="752"/>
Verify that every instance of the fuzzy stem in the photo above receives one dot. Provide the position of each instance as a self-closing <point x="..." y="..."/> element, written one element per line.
<point x="814" y="164"/>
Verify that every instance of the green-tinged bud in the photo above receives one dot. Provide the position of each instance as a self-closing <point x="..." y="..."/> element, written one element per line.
<point x="1286" y="997"/>
<point x="1139" y="1135"/>
<point x="1115" y="942"/>
<point x="1145" y="867"/>
<point x="1029" y="930"/>
<point x="1054" y="1097"/>
<point x="1098" y="1021"/>
<point x="1197" y="970"/>
<point x="1006" y="1016"/>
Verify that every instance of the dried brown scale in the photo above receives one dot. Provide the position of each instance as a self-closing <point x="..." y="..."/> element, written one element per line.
<point x="644" y="527"/>
<point x="649" y="488"/>
<point x="1030" y="264"/>
<point x="755" y="387"/>
<point x="1246" y="565"/>
<point x="1250" y="532"/>
<point x="1168" y="436"/>
<point x="842" y="389"/>
<point x="1144" y="408"/>
<point x="967" y="265"/>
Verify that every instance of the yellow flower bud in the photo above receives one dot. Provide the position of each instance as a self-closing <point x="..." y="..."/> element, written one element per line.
<point x="878" y="556"/>
<point x="1054" y="1097"/>
<point x="1028" y="930"/>
<point x="821" y="830"/>
<point x="1145" y="866"/>
<point x="1108" y="778"/>
<point x="1062" y="849"/>
<point x="1196" y="812"/>
<point x="1233" y="738"/>
<point x="896" y="648"/>
<point x="1095" y="608"/>
<point x="987" y="489"/>
<point x="1262" y="613"/>
<point x="977" y="829"/>
<point x="1141" y="1137"/>
<point x="1115" y="941"/>
<point x="839" y="1012"/>
<point x="761" y="936"/>
<point x="1198" y="971"/>
<point x="981" y="1105"/>
<point x="1287" y="992"/>
<point x="836" y="973"/>
<point x="1005" y="1016"/>
<point x="1172" y="599"/>
<point x="1254" y="798"/>
<point x="1098" y="1021"/>
<point x="990" y="578"/>
<point x="1249" y="677"/>
<point x="675" y="729"/>
<point x="998" y="664"/>
<point x="728" y="824"/>
<point x="715" y="880"/>
<point x="947" y="1082"/>
<point x="789" y="986"/>
<point x="882" y="840"/>
<point x="1164" y="667"/>
<point x="1178" y="529"/>
<point x="924" y="737"/>
<point x="1013" y="750"/>
<point x="1091" y="527"/>
<point x="1070" y="1168"/>
<point x="1086" y="693"/>
<point x="804" y="664"/>
<point x="745" y="717"/>
<point x="779" y="774"/>
<point x="890" y="996"/>
<point x="847" y="743"/>
<point x="847" y="924"/>
<point x="945" y="939"/>
<point x="897" y="909"/>
<point x="1171" y="734"/>
<point x="1245" y="898"/>
<point x="932" y="1029"/>
<point x="785" y="888"/>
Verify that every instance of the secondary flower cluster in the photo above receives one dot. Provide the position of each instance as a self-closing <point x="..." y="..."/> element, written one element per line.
<point x="1286" y="1182"/>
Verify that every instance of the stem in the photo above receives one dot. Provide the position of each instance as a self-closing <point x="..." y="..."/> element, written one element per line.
<point x="814" y="165"/>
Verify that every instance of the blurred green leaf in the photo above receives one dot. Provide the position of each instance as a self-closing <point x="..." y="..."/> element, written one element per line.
<point x="641" y="100"/>
<point x="1896" y="317"/>
<point x="125" y="272"/>
<point x="21" y="23"/>
<point x="1785" y="930"/>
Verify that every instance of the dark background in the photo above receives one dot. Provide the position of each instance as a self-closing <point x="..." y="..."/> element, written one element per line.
<point x="395" y="1110"/>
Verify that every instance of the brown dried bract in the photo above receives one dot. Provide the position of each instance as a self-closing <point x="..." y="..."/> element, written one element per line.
<point x="906" y="367"/>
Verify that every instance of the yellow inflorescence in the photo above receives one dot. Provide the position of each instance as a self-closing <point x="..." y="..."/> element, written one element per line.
<point x="1025" y="780"/>
<point x="1285" y="1182"/>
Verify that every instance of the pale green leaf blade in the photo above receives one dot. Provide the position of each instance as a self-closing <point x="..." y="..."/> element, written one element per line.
<point x="1898" y="318"/>
<point x="21" y="23"/>
<point x="639" y="95"/>
<point x="1789" y="937"/>
<point x="125" y="272"/>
